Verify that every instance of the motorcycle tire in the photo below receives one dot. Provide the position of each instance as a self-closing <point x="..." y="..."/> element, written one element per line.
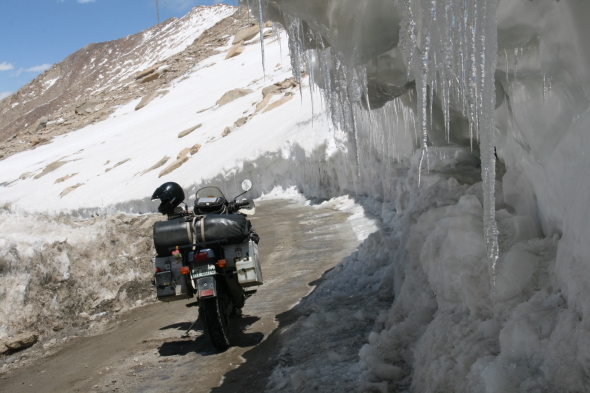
<point x="216" y="322"/>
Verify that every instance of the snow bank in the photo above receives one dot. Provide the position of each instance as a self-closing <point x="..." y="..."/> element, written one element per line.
<point x="495" y="324"/>
<point x="416" y="303"/>
<point x="56" y="272"/>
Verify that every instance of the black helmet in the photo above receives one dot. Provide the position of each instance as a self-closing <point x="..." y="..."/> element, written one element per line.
<point x="171" y="195"/>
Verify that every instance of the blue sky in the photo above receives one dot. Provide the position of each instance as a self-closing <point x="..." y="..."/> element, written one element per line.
<point x="39" y="33"/>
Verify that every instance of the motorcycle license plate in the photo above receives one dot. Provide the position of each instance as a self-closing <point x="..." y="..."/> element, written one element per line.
<point x="203" y="271"/>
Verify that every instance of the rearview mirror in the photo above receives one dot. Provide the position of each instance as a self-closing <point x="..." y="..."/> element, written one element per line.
<point x="246" y="185"/>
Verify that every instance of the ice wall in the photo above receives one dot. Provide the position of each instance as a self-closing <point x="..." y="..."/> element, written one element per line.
<point x="506" y="79"/>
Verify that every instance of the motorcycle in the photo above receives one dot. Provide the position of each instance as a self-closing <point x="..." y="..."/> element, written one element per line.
<point x="210" y="253"/>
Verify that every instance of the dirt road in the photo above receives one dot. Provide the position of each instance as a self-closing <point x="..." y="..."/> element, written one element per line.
<point x="143" y="350"/>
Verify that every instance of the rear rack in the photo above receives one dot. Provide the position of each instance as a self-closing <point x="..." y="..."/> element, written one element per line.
<point x="199" y="245"/>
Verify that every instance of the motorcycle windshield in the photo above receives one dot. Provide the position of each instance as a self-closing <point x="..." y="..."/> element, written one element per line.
<point x="210" y="192"/>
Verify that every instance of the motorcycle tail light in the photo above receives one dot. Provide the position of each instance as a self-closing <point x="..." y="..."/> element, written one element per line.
<point x="207" y="292"/>
<point x="222" y="263"/>
<point x="184" y="270"/>
<point x="202" y="256"/>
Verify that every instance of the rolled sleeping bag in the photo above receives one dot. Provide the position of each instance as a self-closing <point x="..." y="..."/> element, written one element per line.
<point x="171" y="233"/>
<point x="199" y="229"/>
<point x="232" y="227"/>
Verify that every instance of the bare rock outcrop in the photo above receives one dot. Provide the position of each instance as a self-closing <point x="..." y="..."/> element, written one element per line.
<point x="233" y="95"/>
<point x="241" y="121"/>
<point x="62" y="179"/>
<point x="246" y="34"/>
<point x="195" y="149"/>
<point x="3" y="348"/>
<point x="70" y="189"/>
<point x="50" y="168"/>
<point x="146" y="100"/>
<point x="278" y="103"/>
<point x="40" y="124"/>
<point x="188" y="131"/>
<point x="183" y="153"/>
<point x="182" y="157"/>
<point x="150" y="77"/>
<point x="235" y="51"/>
<point x="22" y="341"/>
<point x="118" y="164"/>
<point x="150" y="97"/>
<point x="87" y="107"/>
<point x="175" y="165"/>
<point x="264" y="103"/>
<point x="156" y="165"/>
<point x="144" y="73"/>
<point x="270" y="90"/>
<point x="26" y="175"/>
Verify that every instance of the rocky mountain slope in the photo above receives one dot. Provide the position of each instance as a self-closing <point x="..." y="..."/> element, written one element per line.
<point x="89" y="84"/>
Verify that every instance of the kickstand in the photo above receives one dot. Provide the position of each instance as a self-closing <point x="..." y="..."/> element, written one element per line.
<point x="192" y="326"/>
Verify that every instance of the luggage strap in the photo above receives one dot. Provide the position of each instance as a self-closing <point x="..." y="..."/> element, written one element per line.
<point x="194" y="231"/>
<point x="203" y="229"/>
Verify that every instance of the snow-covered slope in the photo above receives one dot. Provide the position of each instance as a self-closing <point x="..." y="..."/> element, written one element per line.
<point x="109" y="160"/>
<point x="106" y="65"/>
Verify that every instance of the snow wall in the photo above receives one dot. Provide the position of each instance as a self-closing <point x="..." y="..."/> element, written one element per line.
<point x="55" y="268"/>
<point x="488" y="259"/>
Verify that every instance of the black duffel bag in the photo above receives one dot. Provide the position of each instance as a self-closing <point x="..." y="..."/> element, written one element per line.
<point x="190" y="230"/>
<point x="232" y="227"/>
<point x="171" y="233"/>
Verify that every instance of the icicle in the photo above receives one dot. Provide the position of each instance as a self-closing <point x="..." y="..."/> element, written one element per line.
<point x="487" y="126"/>
<point x="248" y="3"/>
<point x="506" y="56"/>
<point x="356" y="144"/>
<point x="261" y="24"/>
<point x="515" y="63"/>
<point x="446" y="105"/>
<point x="310" y="61"/>
<point x="408" y="34"/>
<point x="277" y="33"/>
<point x="544" y="88"/>
<point x="473" y="85"/>
<point x="423" y="88"/>
<point x="294" y="46"/>
<point x="301" y="46"/>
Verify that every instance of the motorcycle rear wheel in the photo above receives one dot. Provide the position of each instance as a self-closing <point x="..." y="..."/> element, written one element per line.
<point x="216" y="322"/>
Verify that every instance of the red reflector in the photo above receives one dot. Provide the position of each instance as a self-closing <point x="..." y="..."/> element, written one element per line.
<point x="207" y="292"/>
<point x="202" y="256"/>
<point x="184" y="270"/>
<point x="158" y="270"/>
